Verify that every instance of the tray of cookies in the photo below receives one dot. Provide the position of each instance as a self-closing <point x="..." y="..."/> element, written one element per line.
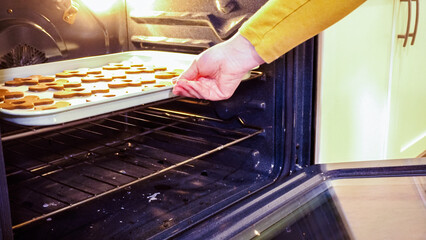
<point x="64" y="91"/>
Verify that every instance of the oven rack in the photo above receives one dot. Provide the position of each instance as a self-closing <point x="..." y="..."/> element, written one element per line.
<point x="111" y="154"/>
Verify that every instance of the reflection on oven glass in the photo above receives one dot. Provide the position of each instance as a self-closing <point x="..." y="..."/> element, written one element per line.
<point x="363" y="208"/>
<point x="319" y="218"/>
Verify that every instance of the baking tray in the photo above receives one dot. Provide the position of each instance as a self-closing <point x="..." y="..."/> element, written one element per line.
<point x="80" y="110"/>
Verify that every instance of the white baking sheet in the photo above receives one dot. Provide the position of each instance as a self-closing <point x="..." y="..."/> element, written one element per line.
<point x="79" y="108"/>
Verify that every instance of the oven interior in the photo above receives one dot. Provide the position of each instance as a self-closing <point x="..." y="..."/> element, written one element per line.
<point x="147" y="166"/>
<point x="154" y="170"/>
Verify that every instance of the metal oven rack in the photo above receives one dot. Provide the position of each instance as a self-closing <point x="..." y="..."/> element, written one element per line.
<point x="50" y="170"/>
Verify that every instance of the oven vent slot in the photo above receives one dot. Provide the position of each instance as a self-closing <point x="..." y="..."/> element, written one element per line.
<point x="166" y="43"/>
<point x="222" y="28"/>
<point x="51" y="172"/>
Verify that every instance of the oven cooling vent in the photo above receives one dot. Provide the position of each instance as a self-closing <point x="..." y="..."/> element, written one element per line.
<point x="22" y="55"/>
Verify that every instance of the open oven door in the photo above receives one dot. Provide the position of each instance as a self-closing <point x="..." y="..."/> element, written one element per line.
<point x="363" y="200"/>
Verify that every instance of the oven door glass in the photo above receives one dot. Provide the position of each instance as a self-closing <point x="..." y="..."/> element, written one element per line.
<point x="362" y="207"/>
<point x="362" y="200"/>
<point x="358" y="208"/>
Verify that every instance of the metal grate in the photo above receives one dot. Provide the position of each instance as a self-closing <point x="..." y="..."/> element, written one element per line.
<point x="50" y="172"/>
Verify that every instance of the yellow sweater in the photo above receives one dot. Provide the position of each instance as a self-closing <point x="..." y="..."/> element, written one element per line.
<point x="281" y="25"/>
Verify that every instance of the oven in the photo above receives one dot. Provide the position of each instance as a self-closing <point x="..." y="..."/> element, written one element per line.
<point x="162" y="167"/>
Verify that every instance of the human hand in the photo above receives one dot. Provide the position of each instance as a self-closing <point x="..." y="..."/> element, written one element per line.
<point x="218" y="71"/>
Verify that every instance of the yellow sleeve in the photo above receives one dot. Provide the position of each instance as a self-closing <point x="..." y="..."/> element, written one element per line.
<point x="281" y="25"/>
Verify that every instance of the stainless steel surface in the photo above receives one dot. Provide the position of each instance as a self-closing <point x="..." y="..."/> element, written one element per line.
<point x="41" y="24"/>
<point x="197" y="24"/>
<point x="67" y="29"/>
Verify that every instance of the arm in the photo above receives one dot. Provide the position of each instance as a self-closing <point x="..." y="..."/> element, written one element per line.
<point x="275" y="29"/>
<point x="280" y="25"/>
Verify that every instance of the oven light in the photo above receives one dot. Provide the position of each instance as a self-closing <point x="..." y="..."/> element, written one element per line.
<point x="99" y="6"/>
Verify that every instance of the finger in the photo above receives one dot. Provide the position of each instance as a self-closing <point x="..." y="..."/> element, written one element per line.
<point x="186" y="87"/>
<point x="179" y="91"/>
<point x="203" y="89"/>
<point x="193" y="91"/>
<point x="191" y="73"/>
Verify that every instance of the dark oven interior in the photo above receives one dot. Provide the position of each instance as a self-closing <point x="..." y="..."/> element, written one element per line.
<point x="158" y="169"/>
<point x="147" y="167"/>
